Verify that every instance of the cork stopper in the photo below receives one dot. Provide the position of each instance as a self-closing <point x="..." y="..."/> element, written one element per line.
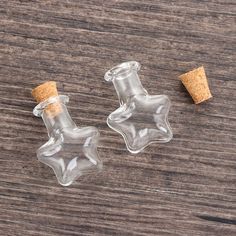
<point x="43" y="92"/>
<point x="196" y="83"/>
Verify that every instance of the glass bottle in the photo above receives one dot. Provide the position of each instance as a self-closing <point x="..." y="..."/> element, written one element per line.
<point x="141" y="118"/>
<point x="70" y="151"/>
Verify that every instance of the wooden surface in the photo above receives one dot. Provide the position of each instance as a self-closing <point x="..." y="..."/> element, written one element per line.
<point x="185" y="187"/>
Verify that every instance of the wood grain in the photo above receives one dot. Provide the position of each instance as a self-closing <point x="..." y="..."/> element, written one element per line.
<point x="186" y="187"/>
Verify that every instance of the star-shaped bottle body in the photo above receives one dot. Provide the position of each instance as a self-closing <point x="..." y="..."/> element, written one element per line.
<point x="70" y="151"/>
<point x="141" y="118"/>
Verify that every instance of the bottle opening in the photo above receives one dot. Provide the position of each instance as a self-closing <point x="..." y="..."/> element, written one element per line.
<point x="122" y="70"/>
<point x="38" y="110"/>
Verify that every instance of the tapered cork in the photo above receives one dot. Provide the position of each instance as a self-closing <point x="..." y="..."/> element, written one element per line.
<point x="196" y="83"/>
<point x="43" y="92"/>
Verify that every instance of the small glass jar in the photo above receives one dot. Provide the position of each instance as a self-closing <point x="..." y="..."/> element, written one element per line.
<point x="70" y="151"/>
<point x="141" y="118"/>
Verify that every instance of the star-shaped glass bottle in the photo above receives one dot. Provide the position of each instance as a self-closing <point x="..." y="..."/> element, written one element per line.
<point x="70" y="151"/>
<point x="141" y="118"/>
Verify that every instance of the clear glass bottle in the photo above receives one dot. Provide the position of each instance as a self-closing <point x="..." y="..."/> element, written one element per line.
<point x="70" y="151"/>
<point x="141" y="118"/>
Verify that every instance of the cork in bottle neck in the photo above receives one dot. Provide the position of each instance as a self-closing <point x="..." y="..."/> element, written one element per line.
<point x="44" y="92"/>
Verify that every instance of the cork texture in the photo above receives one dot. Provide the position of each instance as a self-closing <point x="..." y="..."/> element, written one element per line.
<point x="43" y="92"/>
<point x="196" y="83"/>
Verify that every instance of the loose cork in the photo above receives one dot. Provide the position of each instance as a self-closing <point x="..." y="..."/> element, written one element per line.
<point x="43" y="92"/>
<point x="196" y="83"/>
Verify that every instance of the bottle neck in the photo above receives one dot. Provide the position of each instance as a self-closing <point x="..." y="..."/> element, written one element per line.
<point x="55" y="122"/>
<point x="128" y="85"/>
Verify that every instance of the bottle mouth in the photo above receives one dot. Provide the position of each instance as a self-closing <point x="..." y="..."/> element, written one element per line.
<point x="122" y="70"/>
<point x="38" y="110"/>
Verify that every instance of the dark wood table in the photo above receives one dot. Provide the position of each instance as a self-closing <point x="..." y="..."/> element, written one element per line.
<point x="185" y="187"/>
